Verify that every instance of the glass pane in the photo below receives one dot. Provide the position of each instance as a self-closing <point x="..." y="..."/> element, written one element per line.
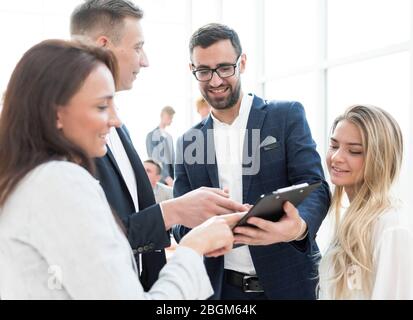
<point x="64" y="8"/>
<point x="384" y="82"/>
<point x="56" y="27"/>
<point x="22" y="6"/>
<point x="31" y="22"/>
<point x="235" y="13"/>
<point x="164" y="11"/>
<point x="204" y="12"/>
<point x="356" y="26"/>
<point x="163" y="83"/>
<point x="302" y="88"/>
<point x="290" y="34"/>
<point x="27" y="37"/>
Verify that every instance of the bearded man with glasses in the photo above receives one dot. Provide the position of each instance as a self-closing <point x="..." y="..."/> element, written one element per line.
<point x="278" y="260"/>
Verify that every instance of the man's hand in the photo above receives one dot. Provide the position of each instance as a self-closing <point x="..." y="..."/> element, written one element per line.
<point x="289" y="228"/>
<point x="196" y="206"/>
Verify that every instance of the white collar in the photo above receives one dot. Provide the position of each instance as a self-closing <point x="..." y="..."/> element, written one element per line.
<point x="244" y="111"/>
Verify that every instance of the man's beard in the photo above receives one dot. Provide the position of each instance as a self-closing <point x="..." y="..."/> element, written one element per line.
<point x="227" y="103"/>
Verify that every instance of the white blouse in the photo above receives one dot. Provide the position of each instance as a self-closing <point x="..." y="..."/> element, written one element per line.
<point x="392" y="259"/>
<point x="59" y="240"/>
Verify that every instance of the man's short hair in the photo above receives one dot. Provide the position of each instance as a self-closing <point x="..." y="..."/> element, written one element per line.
<point x="156" y="164"/>
<point x="211" y="34"/>
<point x="168" y="110"/>
<point x="95" y="18"/>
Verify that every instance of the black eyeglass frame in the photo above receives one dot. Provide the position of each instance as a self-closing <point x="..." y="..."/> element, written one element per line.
<point x="234" y="65"/>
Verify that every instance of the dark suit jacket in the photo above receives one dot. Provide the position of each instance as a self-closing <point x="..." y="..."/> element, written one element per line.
<point x="286" y="270"/>
<point x="161" y="149"/>
<point x="145" y="229"/>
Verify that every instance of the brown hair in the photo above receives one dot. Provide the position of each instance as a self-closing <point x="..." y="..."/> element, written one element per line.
<point x="212" y="33"/>
<point x="156" y="164"/>
<point x="46" y="77"/>
<point x="95" y="18"/>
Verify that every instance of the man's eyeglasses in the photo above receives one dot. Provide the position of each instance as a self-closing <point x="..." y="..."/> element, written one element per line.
<point x="223" y="71"/>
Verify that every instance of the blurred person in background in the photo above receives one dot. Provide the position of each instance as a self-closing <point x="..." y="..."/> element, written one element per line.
<point x="160" y="145"/>
<point x="153" y="169"/>
<point x="202" y="107"/>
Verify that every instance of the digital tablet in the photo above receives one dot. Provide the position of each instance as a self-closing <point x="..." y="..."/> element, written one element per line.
<point x="270" y="206"/>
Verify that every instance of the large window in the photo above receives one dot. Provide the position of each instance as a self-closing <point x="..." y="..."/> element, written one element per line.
<point x="330" y="54"/>
<point x="356" y="26"/>
<point x="165" y="82"/>
<point x="381" y="81"/>
<point x="291" y="35"/>
<point x="291" y="50"/>
<point x="25" y="23"/>
<point x="285" y="88"/>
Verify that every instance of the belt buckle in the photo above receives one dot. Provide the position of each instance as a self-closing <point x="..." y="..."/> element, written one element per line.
<point x="245" y="286"/>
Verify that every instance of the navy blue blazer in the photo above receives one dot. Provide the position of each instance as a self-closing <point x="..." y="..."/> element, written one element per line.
<point x="286" y="270"/>
<point x="145" y="229"/>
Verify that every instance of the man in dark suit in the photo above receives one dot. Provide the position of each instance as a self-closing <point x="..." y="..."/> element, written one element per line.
<point x="115" y="24"/>
<point x="251" y="147"/>
<point x="160" y="146"/>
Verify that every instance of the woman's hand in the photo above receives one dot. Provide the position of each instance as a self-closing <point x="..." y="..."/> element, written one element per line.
<point x="214" y="237"/>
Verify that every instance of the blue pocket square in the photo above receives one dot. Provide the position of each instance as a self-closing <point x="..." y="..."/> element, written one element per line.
<point x="269" y="143"/>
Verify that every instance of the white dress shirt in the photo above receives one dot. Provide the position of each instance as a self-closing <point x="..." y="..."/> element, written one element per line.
<point x="229" y="143"/>
<point x="163" y="192"/>
<point x="392" y="261"/>
<point x="59" y="240"/>
<point x="118" y="151"/>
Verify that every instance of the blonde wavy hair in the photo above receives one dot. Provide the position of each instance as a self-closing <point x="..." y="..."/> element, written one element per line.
<point x="352" y="243"/>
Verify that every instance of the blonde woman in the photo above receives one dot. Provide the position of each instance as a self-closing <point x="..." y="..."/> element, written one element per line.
<point x="371" y="255"/>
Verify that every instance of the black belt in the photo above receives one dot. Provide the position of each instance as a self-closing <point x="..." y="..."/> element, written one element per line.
<point x="244" y="281"/>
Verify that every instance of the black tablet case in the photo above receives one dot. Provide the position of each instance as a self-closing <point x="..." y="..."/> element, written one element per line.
<point x="270" y="206"/>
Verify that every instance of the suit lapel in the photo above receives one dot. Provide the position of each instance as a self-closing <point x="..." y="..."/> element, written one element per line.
<point x="255" y="121"/>
<point x="209" y="152"/>
<point x="111" y="159"/>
